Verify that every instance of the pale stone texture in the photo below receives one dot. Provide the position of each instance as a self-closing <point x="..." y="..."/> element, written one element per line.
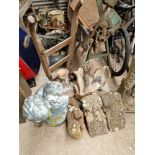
<point x="95" y="117"/>
<point x="114" y="109"/>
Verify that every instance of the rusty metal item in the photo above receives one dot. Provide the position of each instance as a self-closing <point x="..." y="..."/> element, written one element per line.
<point x="112" y="18"/>
<point x="109" y="19"/>
<point x="56" y="20"/>
<point x="106" y="25"/>
<point x="56" y="17"/>
<point x="55" y="26"/>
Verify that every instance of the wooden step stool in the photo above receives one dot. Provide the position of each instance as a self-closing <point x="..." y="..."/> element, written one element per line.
<point x="44" y="54"/>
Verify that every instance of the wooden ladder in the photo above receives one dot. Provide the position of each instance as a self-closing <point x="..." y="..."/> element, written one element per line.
<point x="44" y="54"/>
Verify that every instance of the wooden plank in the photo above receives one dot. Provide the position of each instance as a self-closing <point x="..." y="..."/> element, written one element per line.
<point x="24" y="6"/>
<point x="42" y="8"/>
<point x="40" y="4"/>
<point x="40" y="0"/>
<point x="63" y="1"/>
<point x="38" y="45"/>
<point x="24" y="87"/>
<point x="74" y="27"/>
<point x="57" y="47"/>
<point x="24" y="91"/>
<point x="59" y="63"/>
<point x="43" y="3"/>
<point x="21" y="24"/>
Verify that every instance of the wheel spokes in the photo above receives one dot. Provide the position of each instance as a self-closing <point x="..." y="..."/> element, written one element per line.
<point x="118" y="54"/>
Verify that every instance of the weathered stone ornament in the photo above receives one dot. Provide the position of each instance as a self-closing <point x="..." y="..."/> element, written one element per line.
<point x="90" y="79"/>
<point x="128" y="84"/>
<point x="75" y="119"/>
<point x="73" y="126"/>
<point x="95" y="117"/>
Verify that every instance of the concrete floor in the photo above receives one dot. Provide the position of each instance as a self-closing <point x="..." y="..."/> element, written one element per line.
<point x="56" y="141"/>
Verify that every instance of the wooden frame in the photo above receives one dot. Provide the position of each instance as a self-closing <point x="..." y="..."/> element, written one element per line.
<point x="43" y="54"/>
<point x="57" y="47"/>
<point x="24" y="5"/>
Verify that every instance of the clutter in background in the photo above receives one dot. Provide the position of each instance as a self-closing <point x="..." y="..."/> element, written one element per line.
<point x="81" y="97"/>
<point x="51" y="29"/>
<point x="73" y="96"/>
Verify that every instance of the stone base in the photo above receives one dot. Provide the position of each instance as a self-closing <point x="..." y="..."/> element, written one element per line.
<point x="114" y="109"/>
<point x="95" y="117"/>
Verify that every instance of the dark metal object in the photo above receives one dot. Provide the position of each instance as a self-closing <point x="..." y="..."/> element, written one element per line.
<point x="72" y="77"/>
<point x="105" y="28"/>
<point x="118" y="54"/>
<point x="126" y="9"/>
<point x="31" y="82"/>
<point x="124" y="6"/>
<point x="51" y="39"/>
<point x="55" y="59"/>
<point x="107" y="25"/>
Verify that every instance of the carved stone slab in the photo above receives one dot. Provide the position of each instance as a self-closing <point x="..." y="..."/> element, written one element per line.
<point x="95" y="117"/>
<point x="114" y="109"/>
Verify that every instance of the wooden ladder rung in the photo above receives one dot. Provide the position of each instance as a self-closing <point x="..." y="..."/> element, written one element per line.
<point x="59" y="63"/>
<point x="57" y="47"/>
